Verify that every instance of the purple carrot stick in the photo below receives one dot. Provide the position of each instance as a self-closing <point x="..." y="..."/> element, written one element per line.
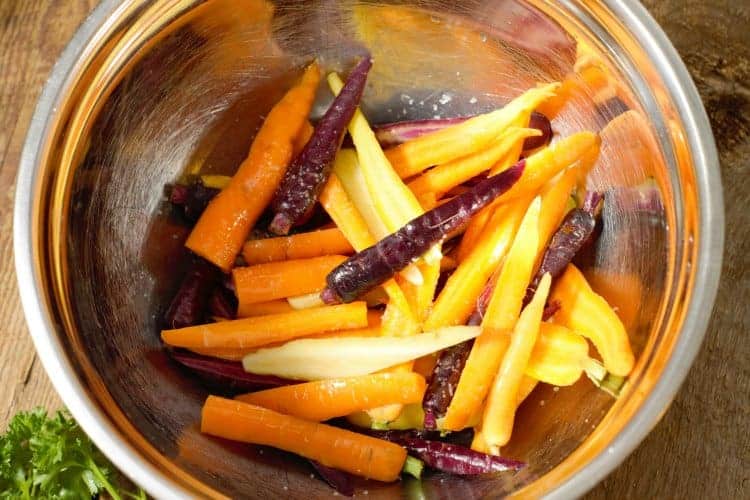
<point x="191" y="200"/>
<point x="374" y="265"/>
<point x="341" y="481"/>
<point x="443" y="383"/>
<point x="189" y="303"/>
<point x="573" y="232"/>
<point x="228" y="374"/>
<point x="308" y="173"/>
<point x="456" y="459"/>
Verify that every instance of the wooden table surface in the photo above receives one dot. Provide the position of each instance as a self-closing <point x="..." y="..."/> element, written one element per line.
<point x="701" y="448"/>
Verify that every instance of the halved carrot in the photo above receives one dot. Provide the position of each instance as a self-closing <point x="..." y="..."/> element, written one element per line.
<point x="412" y="157"/>
<point x="275" y="280"/>
<point x="587" y="313"/>
<point x="457" y="300"/>
<point x="236" y="354"/>
<point x="500" y="408"/>
<point x="273" y="328"/>
<point x="497" y="325"/>
<point x="261" y="308"/>
<point x="325" y="399"/>
<point x="442" y="178"/>
<point x="333" y="447"/>
<point x="224" y="225"/>
<point x="298" y="246"/>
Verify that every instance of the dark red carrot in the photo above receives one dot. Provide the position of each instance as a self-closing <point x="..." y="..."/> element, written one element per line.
<point x="374" y="265"/>
<point x="393" y="134"/>
<point x="308" y="173"/>
<point x="223" y="303"/>
<point x="456" y="459"/>
<point x="573" y="233"/>
<point x="542" y="123"/>
<point x="443" y="382"/>
<point x="188" y="306"/>
<point x="341" y="481"/>
<point x="191" y="200"/>
<point x="229" y="375"/>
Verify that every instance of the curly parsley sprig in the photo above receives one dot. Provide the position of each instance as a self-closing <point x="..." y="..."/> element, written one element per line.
<point x="51" y="457"/>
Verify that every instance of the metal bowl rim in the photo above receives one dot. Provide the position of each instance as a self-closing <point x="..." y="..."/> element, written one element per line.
<point x="708" y="264"/>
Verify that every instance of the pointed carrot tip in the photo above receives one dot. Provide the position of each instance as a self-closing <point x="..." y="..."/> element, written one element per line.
<point x="280" y="225"/>
<point x="329" y="297"/>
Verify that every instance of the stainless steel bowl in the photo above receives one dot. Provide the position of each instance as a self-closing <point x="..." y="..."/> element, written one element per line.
<point x="150" y="89"/>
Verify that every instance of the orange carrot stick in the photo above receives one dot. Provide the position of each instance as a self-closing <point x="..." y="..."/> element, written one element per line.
<point x="338" y="448"/>
<point x="224" y="225"/>
<point x="442" y="178"/>
<point x="497" y="325"/>
<point x="263" y="330"/>
<point x="325" y="399"/>
<point x="500" y="408"/>
<point x="587" y="313"/>
<point x="275" y="280"/>
<point x="302" y="137"/>
<point x="412" y="157"/>
<point x="236" y="354"/>
<point x="262" y="308"/>
<point x="298" y="246"/>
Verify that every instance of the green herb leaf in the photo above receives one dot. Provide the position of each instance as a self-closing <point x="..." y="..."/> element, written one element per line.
<point x="52" y="458"/>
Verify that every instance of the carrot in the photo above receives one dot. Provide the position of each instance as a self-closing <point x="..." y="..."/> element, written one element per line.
<point x="561" y="356"/>
<point x="325" y="399"/>
<point x="526" y="387"/>
<point x="477" y="224"/>
<point x="224" y="225"/>
<point x="215" y="181"/>
<point x="273" y="328"/>
<point x="275" y="280"/>
<point x="299" y="246"/>
<point x="458" y="298"/>
<point x="471" y="136"/>
<point x="374" y="265"/>
<point x="500" y="408"/>
<point x="302" y="137"/>
<point x="587" y="313"/>
<point x="236" y="354"/>
<point x="333" y="447"/>
<point x="499" y="320"/>
<point x="310" y="170"/>
<point x="442" y="178"/>
<point x="261" y="308"/>
<point x="398" y="316"/>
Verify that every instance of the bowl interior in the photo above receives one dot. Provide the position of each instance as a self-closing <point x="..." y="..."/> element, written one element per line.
<point x="170" y="89"/>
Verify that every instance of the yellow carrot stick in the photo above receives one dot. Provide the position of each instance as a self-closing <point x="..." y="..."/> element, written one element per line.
<point x="263" y="330"/>
<point x="500" y="408"/>
<point x="224" y="225"/>
<point x="526" y="387"/>
<point x="497" y="325"/>
<point x="457" y="300"/>
<point x="333" y="447"/>
<point x="297" y="246"/>
<point x="587" y="313"/>
<point x="561" y="356"/>
<point x="412" y="157"/>
<point x="442" y="178"/>
<point x="326" y="399"/>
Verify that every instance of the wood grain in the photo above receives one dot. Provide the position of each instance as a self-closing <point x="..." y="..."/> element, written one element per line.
<point x="701" y="449"/>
